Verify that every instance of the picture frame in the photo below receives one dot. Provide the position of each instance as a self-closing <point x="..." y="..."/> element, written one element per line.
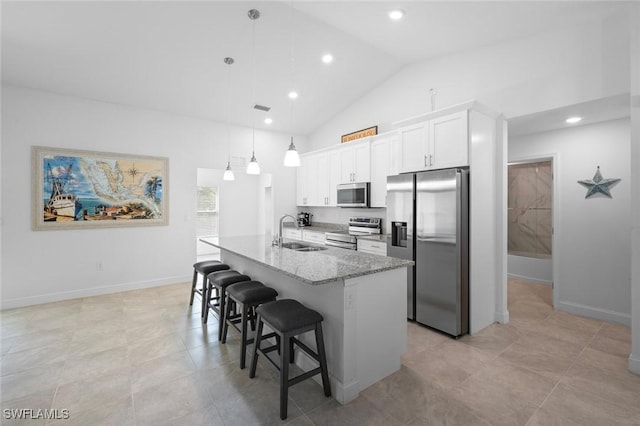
<point x="79" y="189"/>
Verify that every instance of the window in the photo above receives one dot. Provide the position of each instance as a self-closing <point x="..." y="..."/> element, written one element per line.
<point x="207" y="220"/>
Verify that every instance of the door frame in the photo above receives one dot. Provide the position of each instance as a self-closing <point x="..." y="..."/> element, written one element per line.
<point x="555" y="216"/>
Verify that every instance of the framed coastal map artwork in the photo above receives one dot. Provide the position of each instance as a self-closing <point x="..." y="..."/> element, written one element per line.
<point x="73" y="189"/>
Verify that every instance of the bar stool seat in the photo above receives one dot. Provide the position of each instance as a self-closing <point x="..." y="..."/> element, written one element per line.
<point x="220" y="281"/>
<point x="204" y="268"/>
<point x="289" y="318"/>
<point x="247" y="296"/>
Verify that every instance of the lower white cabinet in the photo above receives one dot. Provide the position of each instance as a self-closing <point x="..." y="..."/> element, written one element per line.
<point x="313" y="236"/>
<point x="372" y="247"/>
<point x="292" y="233"/>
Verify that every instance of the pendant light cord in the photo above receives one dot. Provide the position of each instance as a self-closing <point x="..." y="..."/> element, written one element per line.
<point x="292" y="64"/>
<point x="228" y="61"/>
<point x="253" y="91"/>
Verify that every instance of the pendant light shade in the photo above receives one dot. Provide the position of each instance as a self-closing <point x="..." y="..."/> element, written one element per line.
<point x="253" y="168"/>
<point x="228" y="173"/>
<point x="291" y="157"/>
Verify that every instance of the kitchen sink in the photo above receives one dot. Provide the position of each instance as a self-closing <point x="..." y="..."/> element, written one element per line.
<point x="302" y="247"/>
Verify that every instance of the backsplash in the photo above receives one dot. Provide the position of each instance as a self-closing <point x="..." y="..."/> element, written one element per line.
<point x="340" y="216"/>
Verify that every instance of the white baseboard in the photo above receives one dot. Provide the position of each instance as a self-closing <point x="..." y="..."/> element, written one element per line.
<point x="634" y="364"/>
<point x="502" y="317"/>
<point x="88" y="292"/>
<point x="591" y="312"/>
<point x="522" y="277"/>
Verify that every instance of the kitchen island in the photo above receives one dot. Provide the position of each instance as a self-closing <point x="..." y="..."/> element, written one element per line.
<point x="362" y="298"/>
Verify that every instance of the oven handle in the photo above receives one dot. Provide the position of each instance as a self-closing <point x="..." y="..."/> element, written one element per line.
<point x="340" y="244"/>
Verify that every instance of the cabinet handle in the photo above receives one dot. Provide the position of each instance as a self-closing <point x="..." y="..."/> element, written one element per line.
<point x="425" y="160"/>
<point x="431" y="159"/>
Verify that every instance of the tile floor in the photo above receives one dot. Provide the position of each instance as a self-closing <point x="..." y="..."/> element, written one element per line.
<point x="144" y="358"/>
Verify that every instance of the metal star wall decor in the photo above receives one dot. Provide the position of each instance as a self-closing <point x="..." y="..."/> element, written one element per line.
<point x="598" y="184"/>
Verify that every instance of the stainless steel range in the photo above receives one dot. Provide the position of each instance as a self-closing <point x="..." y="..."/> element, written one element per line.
<point x="357" y="226"/>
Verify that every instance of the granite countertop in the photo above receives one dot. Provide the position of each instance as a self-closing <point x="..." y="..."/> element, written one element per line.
<point x="314" y="267"/>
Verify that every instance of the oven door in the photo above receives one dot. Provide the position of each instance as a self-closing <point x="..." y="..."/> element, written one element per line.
<point x="353" y="195"/>
<point x="341" y="244"/>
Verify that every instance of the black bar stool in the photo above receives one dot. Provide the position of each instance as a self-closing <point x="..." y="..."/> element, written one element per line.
<point x="220" y="281"/>
<point x="289" y="318"/>
<point x="247" y="296"/>
<point x="204" y="268"/>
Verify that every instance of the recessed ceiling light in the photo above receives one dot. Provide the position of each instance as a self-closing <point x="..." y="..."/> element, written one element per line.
<point x="327" y="59"/>
<point x="396" y="14"/>
<point x="573" y="120"/>
<point x="293" y="94"/>
<point x="268" y="120"/>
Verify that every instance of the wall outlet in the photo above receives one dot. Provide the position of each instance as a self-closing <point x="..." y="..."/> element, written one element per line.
<point x="349" y="300"/>
<point x="99" y="265"/>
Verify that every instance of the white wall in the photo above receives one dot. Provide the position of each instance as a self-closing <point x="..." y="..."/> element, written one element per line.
<point x="515" y="78"/>
<point x="53" y="265"/>
<point x="530" y="268"/>
<point x="592" y="235"/>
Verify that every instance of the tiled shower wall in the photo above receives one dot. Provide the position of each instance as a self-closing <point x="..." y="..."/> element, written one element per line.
<point x="529" y="209"/>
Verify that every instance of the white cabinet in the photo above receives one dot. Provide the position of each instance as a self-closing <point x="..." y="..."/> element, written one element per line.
<point x="439" y="143"/>
<point x="328" y="177"/>
<point x="354" y="162"/>
<point x="382" y="165"/>
<point x="372" y="247"/>
<point x="302" y="179"/>
<point x="313" y="236"/>
<point x="292" y="233"/>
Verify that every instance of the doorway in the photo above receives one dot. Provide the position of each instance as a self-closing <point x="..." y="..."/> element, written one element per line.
<point x="530" y="216"/>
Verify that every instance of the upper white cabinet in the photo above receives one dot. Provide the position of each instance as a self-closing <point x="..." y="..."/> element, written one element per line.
<point x="354" y="162"/>
<point x="438" y="143"/>
<point x="382" y="165"/>
<point x="317" y="178"/>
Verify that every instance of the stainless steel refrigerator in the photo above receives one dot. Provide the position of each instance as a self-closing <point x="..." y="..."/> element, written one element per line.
<point x="428" y="217"/>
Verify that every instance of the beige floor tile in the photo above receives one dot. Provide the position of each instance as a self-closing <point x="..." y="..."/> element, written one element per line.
<point x="148" y="330"/>
<point x="91" y="344"/>
<point x="502" y="393"/>
<point x="87" y="394"/>
<point x="173" y="400"/>
<point x="37" y="339"/>
<point x="530" y="310"/>
<point x="214" y="355"/>
<point x="36" y="380"/>
<point x="161" y="370"/>
<point x="571" y="406"/>
<point x="99" y="327"/>
<point x="493" y="339"/>
<point x="360" y="412"/>
<point x="605" y="361"/>
<point x="112" y="413"/>
<point x="20" y="361"/>
<point x="574" y="322"/>
<point x="148" y="349"/>
<point x="35" y="402"/>
<point x="621" y="388"/>
<point x="94" y="364"/>
<point x="208" y="416"/>
<point x="610" y="345"/>
<point x="616" y="331"/>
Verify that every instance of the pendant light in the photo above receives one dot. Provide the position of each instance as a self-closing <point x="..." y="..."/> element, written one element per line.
<point x="253" y="168"/>
<point x="291" y="157"/>
<point x="228" y="173"/>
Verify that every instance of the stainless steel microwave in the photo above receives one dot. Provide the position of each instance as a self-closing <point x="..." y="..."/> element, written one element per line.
<point x="353" y="195"/>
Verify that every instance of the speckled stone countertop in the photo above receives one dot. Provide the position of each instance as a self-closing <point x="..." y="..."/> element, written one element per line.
<point x="314" y="267"/>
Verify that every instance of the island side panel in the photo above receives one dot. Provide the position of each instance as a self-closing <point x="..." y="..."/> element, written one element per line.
<point x="328" y="299"/>
<point x="381" y="322"/>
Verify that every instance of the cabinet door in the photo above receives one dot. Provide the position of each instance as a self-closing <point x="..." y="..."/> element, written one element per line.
<point x="302" y="174"/>
<point x="380" y="160"/>
<point x="413" y="148"/>
<point x="324" y="178"/>
<point x="448" y="141"/>
<point x="346" y="164"/>
<point x="334" y="176"/>
<point x="362" y="162"/>
<point x="313" y="177"/>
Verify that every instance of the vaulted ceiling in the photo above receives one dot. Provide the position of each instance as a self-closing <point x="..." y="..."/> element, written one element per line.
<point x="168" y="56"/>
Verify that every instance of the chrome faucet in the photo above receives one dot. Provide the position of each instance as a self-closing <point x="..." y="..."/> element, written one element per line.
<point x="278" y="240"/>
